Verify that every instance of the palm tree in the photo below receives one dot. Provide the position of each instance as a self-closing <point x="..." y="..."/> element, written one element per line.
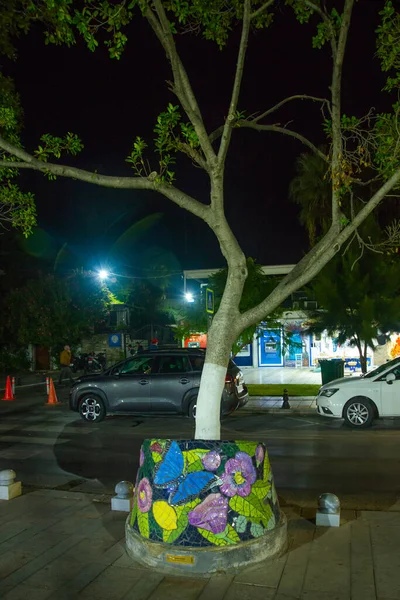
<point x="358" y="299"/>
<point x="311" y="189"/>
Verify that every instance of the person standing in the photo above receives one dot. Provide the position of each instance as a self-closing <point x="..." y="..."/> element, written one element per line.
<point x="65" y="361"/>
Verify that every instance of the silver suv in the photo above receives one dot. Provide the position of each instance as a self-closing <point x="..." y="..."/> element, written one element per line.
<point x="153" y="382"/>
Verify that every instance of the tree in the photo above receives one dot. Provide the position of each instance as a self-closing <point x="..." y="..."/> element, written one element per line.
<point x="146" y="300"/>
<point x="355" y="144"/>
<point x="17" y="208"/>
<point x="52" y="312"/>
<point x="359" y="299"/>
<point x="311" y="189"/>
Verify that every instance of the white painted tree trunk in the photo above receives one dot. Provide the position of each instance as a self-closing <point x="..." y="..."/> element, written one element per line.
<point x="209" y="402"/>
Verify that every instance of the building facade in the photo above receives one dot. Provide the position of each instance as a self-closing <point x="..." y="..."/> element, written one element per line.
<point x="289" y="346"/>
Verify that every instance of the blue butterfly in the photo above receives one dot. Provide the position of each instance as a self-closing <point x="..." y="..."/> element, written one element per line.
<point x="170" y="474"/>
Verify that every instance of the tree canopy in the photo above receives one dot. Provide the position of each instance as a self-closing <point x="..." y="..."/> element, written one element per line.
<point x="358" y="299"/>
<point x="52" y="311"/>
<point x="361" y="147"/>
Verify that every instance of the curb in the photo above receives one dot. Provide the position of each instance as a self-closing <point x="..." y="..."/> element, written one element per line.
<point x="278" y="411"/>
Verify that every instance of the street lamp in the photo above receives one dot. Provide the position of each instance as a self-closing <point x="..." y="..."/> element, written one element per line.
<point x="189" y="297"/>
<point x="102" y="274"/>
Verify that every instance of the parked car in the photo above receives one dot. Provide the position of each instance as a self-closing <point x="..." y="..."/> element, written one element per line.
<point x="360" y="400"/>
<point x="152" y="382"/>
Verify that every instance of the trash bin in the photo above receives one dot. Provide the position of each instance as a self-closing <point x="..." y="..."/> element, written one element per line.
<point x="331" y="369"/>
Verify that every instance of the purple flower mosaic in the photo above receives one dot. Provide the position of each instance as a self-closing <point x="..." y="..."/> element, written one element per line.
<point x="259" y="454"/>
<point x="211" y="460"/>
<point x="211" y="514"/>
<point x="144" y="495"/>
<point x="141" y="457"/>
<point x="239" y="476"/>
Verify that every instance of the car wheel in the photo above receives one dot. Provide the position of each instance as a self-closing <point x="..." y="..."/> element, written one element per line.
<point x="192" y="408"/>
<point x="91" y="408"/>
<point x="359" y="413"/>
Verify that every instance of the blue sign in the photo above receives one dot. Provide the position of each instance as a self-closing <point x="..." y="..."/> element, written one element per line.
<point x="270" y="348"/>
<point x="355" y="363"/>
<point x="115" y="340"/>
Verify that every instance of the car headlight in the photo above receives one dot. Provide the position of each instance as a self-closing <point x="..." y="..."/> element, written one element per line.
<point x="329" y="392"/>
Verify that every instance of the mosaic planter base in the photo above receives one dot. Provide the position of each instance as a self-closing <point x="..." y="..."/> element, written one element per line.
<point x="204" y="506"/>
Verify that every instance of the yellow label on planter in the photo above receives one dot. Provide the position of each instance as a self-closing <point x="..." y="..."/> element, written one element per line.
<point x="180" y="559"/>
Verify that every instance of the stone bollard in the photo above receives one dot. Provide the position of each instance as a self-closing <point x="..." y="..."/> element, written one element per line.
<point x="285" y="403"/>
<point x="328" y="513"/>
<point x="9" y="488"/>
<point x="123" y="501"/>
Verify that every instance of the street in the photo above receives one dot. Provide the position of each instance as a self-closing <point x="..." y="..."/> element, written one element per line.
<point x="51" y="447"/>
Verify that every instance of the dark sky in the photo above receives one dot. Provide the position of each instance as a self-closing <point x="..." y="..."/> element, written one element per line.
<point x="107" y="103"/>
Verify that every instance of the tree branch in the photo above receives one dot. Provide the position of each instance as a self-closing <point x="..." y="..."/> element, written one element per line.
<point x="326" y="20"/>
<point x="337" y="143"/>
<point x="138" y="183"/>
<point x="230" y="119"/>
<point x="182" y="87"/>
<point x="260" y="10"/>
<point x="317" y="258"/>
<point x="289" y="132"/>
<point x="289" y="99"/>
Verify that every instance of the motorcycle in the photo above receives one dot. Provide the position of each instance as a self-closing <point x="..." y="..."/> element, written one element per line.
<point x="89" y="363"/>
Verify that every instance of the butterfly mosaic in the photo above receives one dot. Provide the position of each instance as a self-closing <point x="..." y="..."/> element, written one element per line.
<point x="170" y="474"/>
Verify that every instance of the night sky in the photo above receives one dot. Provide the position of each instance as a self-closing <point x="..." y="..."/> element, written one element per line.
<point x="107" y="103"/>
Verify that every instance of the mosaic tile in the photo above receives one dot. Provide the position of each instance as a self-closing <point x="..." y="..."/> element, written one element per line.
<point x="204" y="493"/>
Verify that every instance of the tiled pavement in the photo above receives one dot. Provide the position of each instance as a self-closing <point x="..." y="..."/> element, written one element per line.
<point x="65" y="545"/>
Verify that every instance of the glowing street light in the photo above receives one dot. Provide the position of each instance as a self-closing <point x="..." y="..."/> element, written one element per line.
<point x="103" y="274"/>
<point x="189" y="297"/>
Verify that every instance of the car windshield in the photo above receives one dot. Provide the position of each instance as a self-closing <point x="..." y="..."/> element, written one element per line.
<point x="382" y="368"/>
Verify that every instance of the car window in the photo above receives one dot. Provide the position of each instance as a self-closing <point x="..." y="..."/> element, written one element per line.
<point x="197" y="362"/>
<point x="378" y="370"/>
<point x="174" y="364"/>
<point x="395" y="371"/>
<point x="138" y="364"/>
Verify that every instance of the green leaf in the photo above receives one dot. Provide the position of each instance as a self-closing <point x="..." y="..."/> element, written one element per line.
<point x="249" y="447"/>
<point x="195" y="466"/>
<point x="143" y="524"/>
<point x="267" y="467"/>
<point x="268" y="519"/>
<point x="192" y="456"/>
<point x="182" y="521"/>
<point x="133" y="514"/>
<point x="228" y="537"/>
<point x="256" y="530"/>
<point x="156" y="456"/>
<point x="241" y="524"/>
<point x="261" y="489"/>
<point x="249" y="506"/>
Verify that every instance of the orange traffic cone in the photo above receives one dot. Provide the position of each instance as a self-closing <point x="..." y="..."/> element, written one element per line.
<point x="8" y="394"/>
<point x="52" y="399"/>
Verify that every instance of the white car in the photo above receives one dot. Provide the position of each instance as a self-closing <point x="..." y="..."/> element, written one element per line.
<point x="359" y="400"/>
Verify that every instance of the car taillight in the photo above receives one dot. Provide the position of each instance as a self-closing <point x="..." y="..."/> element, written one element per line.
<point x="228" y="378"/>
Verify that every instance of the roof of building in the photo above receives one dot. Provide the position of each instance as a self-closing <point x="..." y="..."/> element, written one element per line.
<point x="206" y="273"/>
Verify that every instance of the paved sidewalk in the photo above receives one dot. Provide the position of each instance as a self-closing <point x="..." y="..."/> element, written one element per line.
<point x="273" y="404"/>
<point x="66" y="545"/>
